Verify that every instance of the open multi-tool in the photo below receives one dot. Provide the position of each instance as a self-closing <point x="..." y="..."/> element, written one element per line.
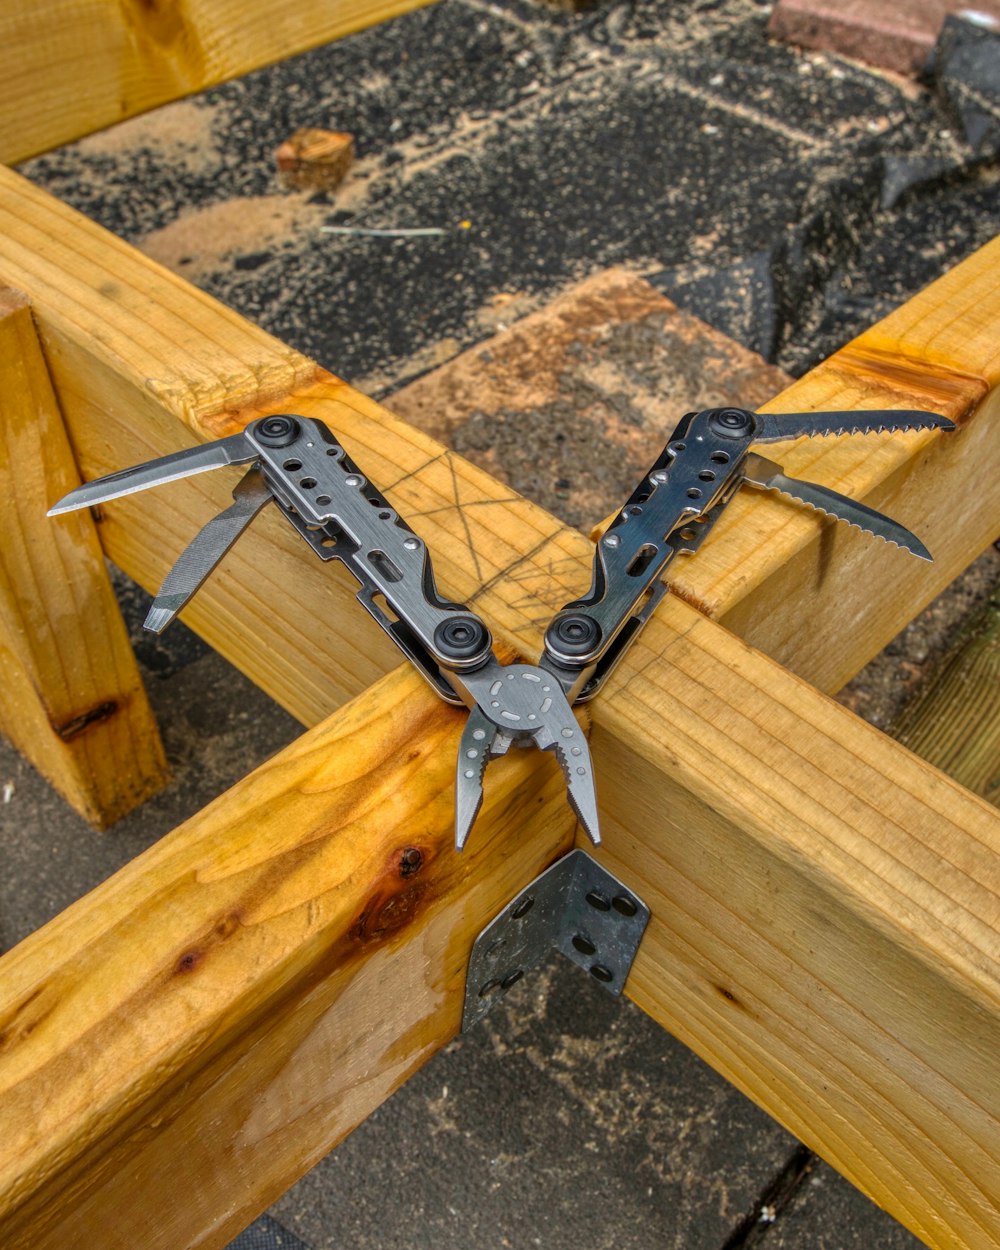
<point x="296" y="462"/>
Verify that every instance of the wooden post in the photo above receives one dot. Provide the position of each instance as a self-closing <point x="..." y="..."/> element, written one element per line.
<point x="73" y="701"/>
<point x="76" y="66"/>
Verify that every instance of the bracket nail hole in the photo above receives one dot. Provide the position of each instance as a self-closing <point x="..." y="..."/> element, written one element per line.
<point x="601" y="973"/>
<point x="624" y="905"/>
<point x="598" y="901"/>
<point x="512" y="978"/>
<point x="584" y="945"/>
<point x="522" y="908"/>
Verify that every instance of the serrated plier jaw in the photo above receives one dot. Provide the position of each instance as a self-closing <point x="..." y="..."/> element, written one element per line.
<point x="520" y="704"/>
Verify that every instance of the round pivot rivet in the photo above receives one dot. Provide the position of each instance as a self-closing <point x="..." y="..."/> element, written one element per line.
<point x="573" y="634"/>
<point x="462" y="638"/>
<point x="730" y="422"/>
<point x="277" y="431"/>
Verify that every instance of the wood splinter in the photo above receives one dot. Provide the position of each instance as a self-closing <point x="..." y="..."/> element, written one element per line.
<point x="314" y="159"/>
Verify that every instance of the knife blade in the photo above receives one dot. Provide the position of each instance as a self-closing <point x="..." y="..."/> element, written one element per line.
<point x="206" y="549"/>
<point x="234" y="449"/>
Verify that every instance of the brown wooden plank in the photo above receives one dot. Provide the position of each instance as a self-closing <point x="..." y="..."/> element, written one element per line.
<point x="73" y="701"/>
<point x="70" y="67"/>
<point x="722" y="755"/>
<point x="825" y="923"/>
<point x="821" y="600"/>
<point x="180" y="1045"/>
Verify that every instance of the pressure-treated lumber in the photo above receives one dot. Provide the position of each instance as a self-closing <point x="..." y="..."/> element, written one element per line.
<point x="821" y="600"/>
<point x="824" y="933"/>
<point x="73" y="66"/>
<point x="180" y="1045"/>
<point x="773" y="787"/>
<point x="954" y="721"/>
<point x="825" y="923"/>
<point x="72" y="699"/>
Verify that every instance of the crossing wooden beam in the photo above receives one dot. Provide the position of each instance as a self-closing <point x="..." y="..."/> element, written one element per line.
<point x="70" y="67"/>
<point x="825" y="906"/>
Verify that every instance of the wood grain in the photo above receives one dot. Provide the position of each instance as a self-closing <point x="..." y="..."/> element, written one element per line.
<point x="73" y="701"/>
<point x="70" y="67"/>
<point x="821" y="599"/>
<point x="825" y="917"/>
<point x="825" y="905"/>
<point x="180" y="1045"/>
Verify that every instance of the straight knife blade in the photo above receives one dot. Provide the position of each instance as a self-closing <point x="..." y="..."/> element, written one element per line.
<point x="206" y="549"/>
<point x="235" y="449"/>
<point x="776" y="427"/>
<point x="766" y="475"/>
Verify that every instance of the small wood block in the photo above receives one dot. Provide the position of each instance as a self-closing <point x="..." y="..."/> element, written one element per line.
<point x="314" y="159"/>
<point x="897" y="36"/>
<point x="73" y="701"/>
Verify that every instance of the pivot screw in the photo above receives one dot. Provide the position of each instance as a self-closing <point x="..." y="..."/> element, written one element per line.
<point x="278" y="431"/>
<point x="730" y="422"/>
<point x="462" y="638"/>
<point x="573" y="633"/>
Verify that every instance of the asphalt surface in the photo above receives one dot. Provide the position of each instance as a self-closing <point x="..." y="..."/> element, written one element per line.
<point x="789" y="199"/>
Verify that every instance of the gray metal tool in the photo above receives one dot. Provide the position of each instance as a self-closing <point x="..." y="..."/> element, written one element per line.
<point x="296" y="462"/>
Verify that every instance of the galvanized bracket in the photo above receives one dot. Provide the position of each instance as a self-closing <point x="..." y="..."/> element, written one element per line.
<point x="577" y="907"/>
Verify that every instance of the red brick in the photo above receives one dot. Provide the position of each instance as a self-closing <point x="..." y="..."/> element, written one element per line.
<point x="893" y="34"/>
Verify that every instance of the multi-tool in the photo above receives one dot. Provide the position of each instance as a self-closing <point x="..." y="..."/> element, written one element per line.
<point x="297" y="463"/>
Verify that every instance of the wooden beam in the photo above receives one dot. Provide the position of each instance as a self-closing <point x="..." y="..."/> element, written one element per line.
<point x="825" y="923"/>
<point x="70" y="67"/>
<point x="823" y="601"/>
<point x="824" y="933"/>
<point x="73" y="701"/>
<point x="738" y="768"/>
<point x="213" y="1019"/>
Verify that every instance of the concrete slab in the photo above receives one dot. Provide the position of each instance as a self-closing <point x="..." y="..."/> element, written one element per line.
<point x="571" y="404"/>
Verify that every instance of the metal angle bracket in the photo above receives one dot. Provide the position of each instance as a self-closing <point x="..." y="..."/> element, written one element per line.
<point x="576" y="907"/>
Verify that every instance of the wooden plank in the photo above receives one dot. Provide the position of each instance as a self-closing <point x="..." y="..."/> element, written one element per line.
<point x="73" y="701"/>
<point x="810" y="845"/>
<point x="213" y="1019"/>
<point x="821" y="601"/>
<point x="824" y="932"/>
<point x="953" y="722"/>
<point x="825" y="923"/>
<point x="70" y="67"/>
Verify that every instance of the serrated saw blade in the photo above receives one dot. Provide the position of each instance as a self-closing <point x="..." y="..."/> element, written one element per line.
<point x="777" y="427"/>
